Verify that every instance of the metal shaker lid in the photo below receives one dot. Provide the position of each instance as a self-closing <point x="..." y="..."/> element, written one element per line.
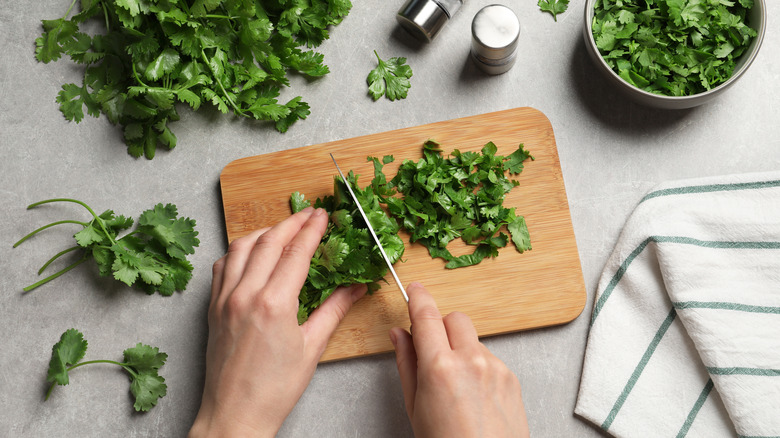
<point x="495" y="30"/>
<point x="425" y="18"/>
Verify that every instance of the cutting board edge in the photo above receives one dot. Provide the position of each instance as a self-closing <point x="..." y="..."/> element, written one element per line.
<point x="576" y="314"/>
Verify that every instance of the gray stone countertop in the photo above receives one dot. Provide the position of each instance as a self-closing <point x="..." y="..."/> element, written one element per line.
<point x="612" y="151"/>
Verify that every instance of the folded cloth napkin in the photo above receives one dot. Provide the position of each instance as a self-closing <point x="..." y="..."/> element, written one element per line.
<point x="685" y="332"/>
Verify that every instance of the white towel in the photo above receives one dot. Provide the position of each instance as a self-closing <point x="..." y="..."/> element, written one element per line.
<point x="685" y="331"/>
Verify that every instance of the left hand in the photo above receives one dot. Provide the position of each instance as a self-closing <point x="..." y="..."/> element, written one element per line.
<point x="258" y="359"/>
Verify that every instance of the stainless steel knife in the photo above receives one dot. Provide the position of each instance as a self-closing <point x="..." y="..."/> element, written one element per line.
<point x="371" y="230"/>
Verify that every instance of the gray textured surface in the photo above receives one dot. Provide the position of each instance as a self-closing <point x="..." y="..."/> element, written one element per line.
<point x="611" y="151"/>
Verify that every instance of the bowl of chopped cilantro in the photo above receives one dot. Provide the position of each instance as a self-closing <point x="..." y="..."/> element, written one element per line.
<point x="674" y="54"/>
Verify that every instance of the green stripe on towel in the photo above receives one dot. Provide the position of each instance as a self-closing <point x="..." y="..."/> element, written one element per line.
<point x="717" y="244"/>
<point x="722" y="305"/>
<point x="711" y="188"/>
<point x="659" y="334"/>
<point x="705" y="393"/>
<point x="743" y="371"/>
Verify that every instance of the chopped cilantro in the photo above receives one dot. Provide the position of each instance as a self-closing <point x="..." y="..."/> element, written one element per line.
<point x="347" y="254"/>
<point x="672" y="47"/>
<point x="459" y="197"/>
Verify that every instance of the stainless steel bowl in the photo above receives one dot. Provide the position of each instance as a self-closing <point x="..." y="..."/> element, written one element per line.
<point x="757" y="20"/>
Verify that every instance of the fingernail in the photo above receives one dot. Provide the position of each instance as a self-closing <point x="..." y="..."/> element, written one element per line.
<point x="318" y="212"/>
<point x="308" y="209"/>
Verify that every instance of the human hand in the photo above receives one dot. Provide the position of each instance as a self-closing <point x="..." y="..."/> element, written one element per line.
<point x="258" y="359"/>
<point x="452" y="384"/>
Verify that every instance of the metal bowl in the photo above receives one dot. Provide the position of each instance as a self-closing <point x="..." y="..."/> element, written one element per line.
<point x="756" y="19"/>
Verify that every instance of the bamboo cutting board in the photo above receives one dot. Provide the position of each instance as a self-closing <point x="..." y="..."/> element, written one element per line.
<point x="512" y="292"/>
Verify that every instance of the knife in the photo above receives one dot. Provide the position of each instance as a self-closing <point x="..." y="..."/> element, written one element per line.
<point x="371" y="230"/>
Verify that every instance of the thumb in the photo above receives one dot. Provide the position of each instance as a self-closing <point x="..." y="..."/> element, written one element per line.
<point x="406" y="361"/>
<point x="325" y="319"/>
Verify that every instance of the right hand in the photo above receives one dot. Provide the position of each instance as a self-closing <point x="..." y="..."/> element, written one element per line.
<point x="452" y="384"/>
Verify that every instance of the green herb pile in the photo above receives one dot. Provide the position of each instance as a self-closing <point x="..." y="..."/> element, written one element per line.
<point x="234" y="54"/>
<point x="153" y="256"/>
<point x="460" y="197"/>
<point x="672" y="47"/>
<point x="141" y="362"/>
<point x="436" y="200"/>
<point x="390" y="78"/>
<point x="347" y="253"/>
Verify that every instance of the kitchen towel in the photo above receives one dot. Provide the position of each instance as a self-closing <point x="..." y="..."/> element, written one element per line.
<point x="685" y="331"/>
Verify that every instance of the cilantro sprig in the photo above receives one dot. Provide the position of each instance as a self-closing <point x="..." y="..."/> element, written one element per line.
<point x="347" y="253"/>
<point x="141" y="362"/>
<point x="554" y="7"/>
<point x="672" y="47"/>
<point x="390" y="78"/>
<point x="235" y="55"/>
<point x="153" y="257"/>
<point x="460" y="197"/>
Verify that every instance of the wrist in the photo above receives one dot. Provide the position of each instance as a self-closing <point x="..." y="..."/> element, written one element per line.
<point x="218" y="426"/>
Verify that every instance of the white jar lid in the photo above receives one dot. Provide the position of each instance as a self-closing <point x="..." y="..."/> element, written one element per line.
<point x="494" y="30"/>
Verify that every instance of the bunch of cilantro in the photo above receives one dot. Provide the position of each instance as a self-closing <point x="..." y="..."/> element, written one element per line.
<point x="141" y="362"/>
<point x="460" y="197"/>
<point x="672" y="47"/>
<point x="153" y="256"/>
<point x="234" y="54"/>
<point x="347" y="253"/>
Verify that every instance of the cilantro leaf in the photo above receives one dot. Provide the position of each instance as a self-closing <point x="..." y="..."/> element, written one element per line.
<point x="66" y="353"/>
<point x="554" y="7"/>
<point x="141" y="362"/>
<point x="390" y="78"/>
<point x="145" y="383"/>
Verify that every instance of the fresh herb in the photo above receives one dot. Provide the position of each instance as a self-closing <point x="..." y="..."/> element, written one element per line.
<point x="554" y="7"/>
<point x="235" y="55"/>
<point x="460" y="197"/>
<point x="672" y="47"/>
<point x="347" y="254"/>
<point x="390" y="78"/>
<point x="153" y="257"/>
<point x="141" y="362"/>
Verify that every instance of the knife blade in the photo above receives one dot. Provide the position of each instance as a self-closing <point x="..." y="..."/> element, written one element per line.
<point x="371" y="230"/>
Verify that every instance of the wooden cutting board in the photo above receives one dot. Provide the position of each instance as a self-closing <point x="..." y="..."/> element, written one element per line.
<point x="512" y="292"/>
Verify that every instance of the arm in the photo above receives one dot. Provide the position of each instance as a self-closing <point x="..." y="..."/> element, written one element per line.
<point x="452" y="384"/>
<point x="258" y="359"/>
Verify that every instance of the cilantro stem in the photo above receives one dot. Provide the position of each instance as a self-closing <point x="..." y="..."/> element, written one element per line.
<point x="105" y="14"/>
<point x="224" y="92"/>
<point x="56" y="256"/>
<point x="89" y="362"/>
<point x="55" y="275"/>
<point x="137" y="79"/>
<point x="94" y="215"/>
<point x="69" y="9"/>
<point x="84" y="224"/>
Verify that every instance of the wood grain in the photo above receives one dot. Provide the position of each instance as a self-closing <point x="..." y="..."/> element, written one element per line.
<point x="512" y="292"/>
